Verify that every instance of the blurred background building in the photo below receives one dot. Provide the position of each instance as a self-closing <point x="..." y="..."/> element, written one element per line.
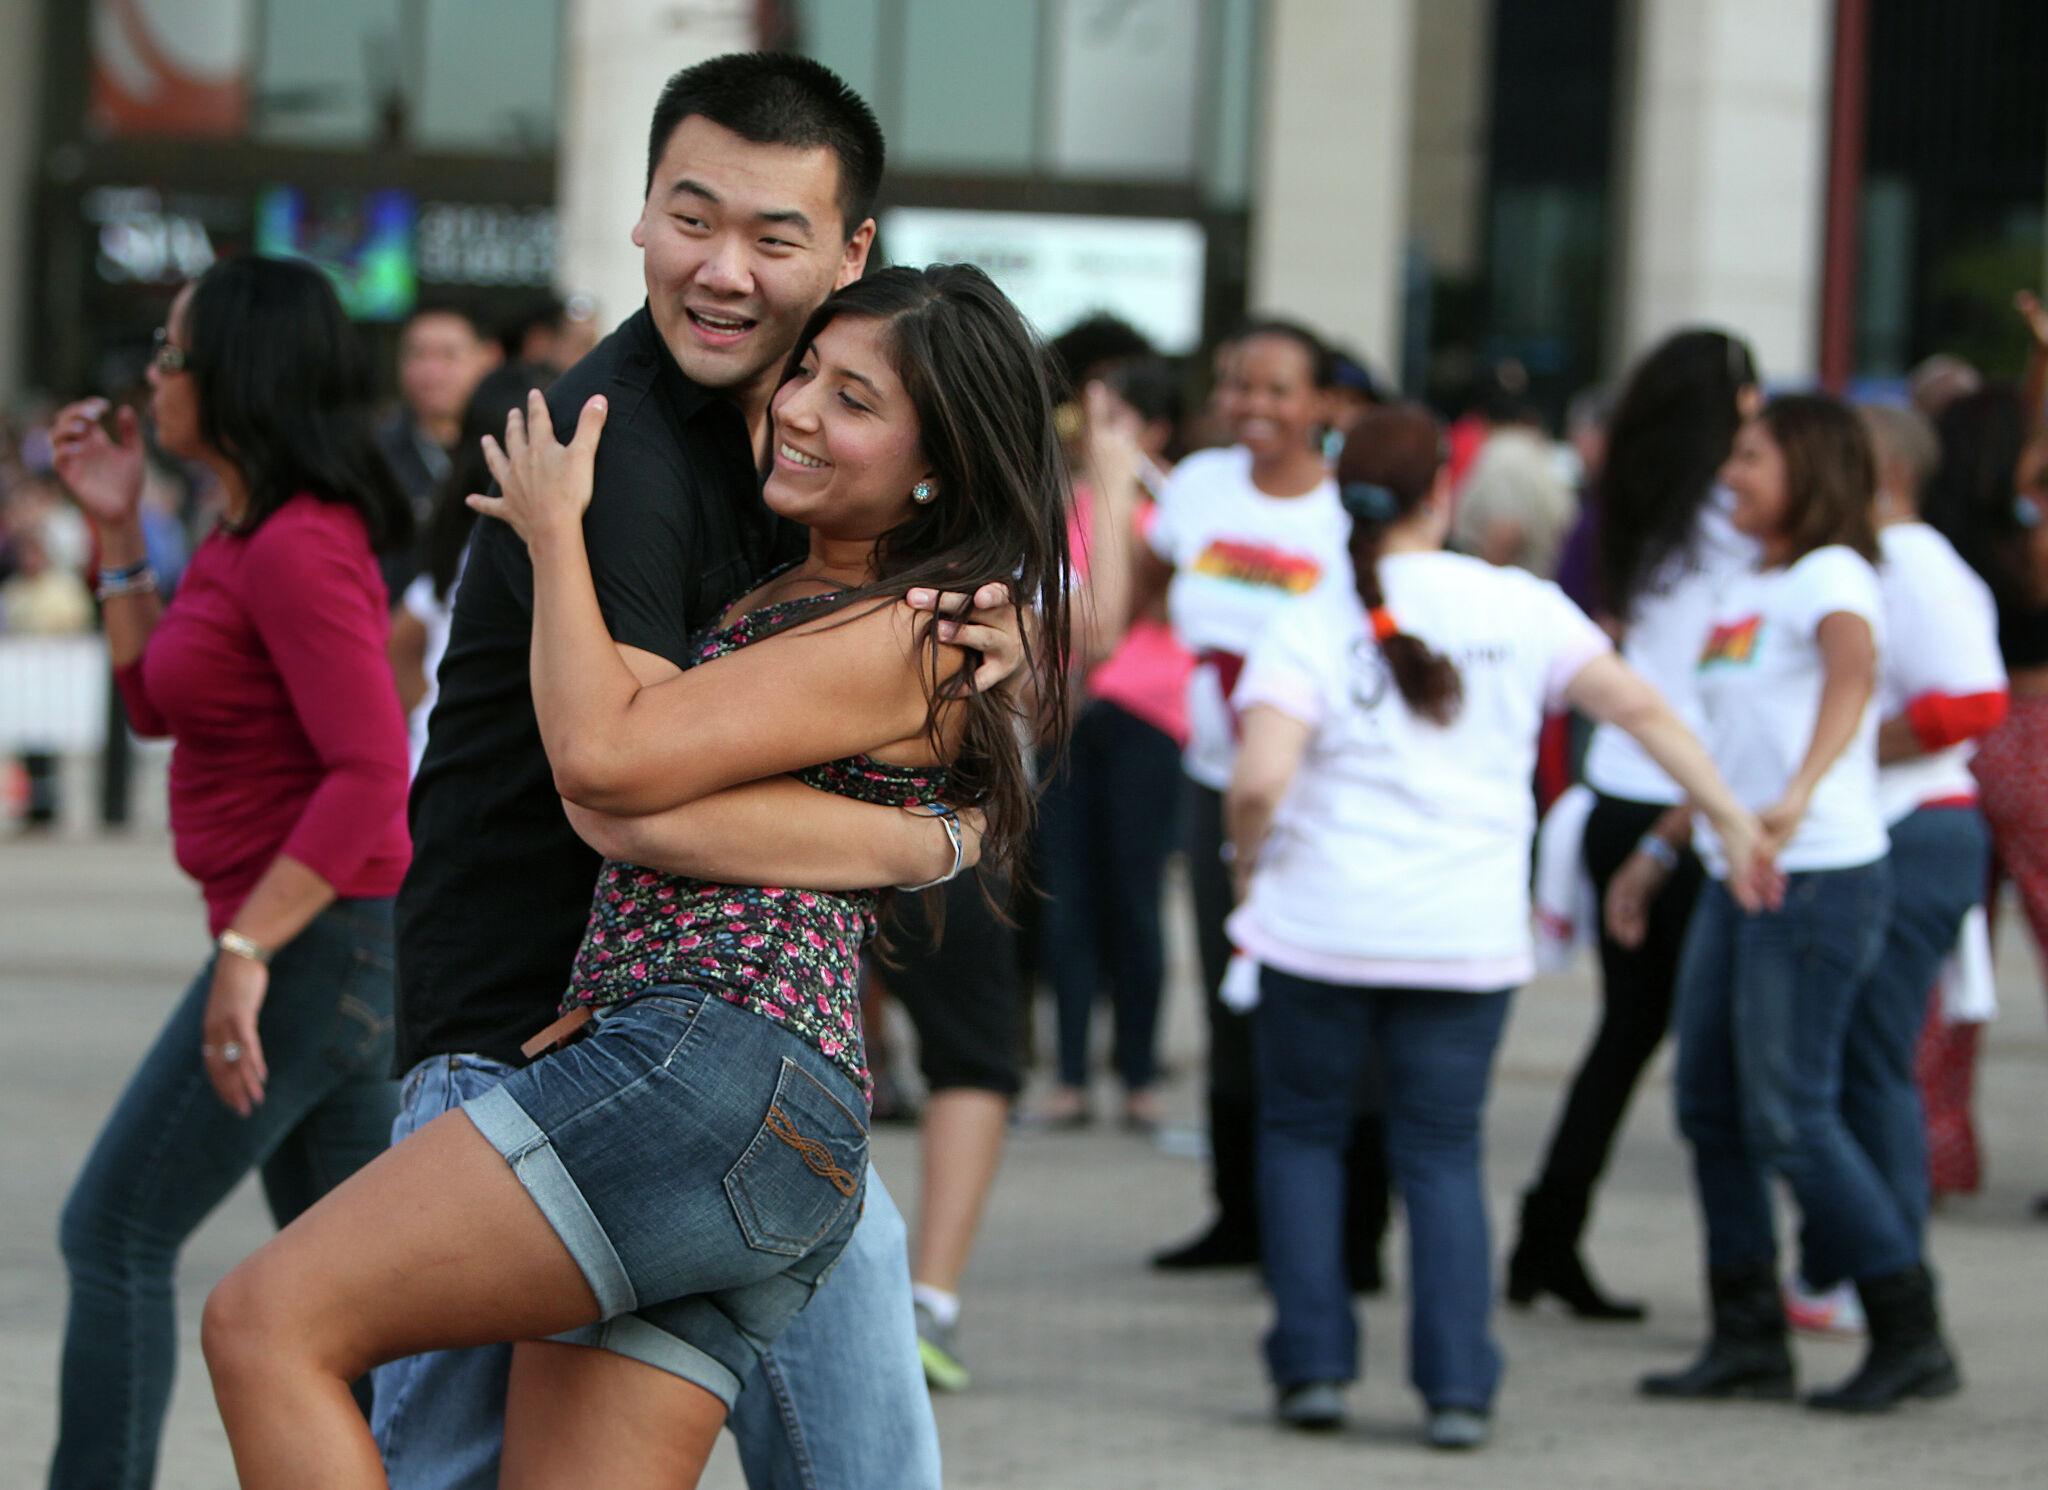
<point x="1852" y="183"/>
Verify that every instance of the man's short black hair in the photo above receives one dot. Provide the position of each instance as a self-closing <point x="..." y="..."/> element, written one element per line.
<point x="778" y="98"/>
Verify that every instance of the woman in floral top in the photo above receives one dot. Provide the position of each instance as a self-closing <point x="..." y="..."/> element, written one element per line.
<point x="689" y="1161"/>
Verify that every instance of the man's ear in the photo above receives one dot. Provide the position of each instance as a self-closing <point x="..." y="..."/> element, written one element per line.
<point x="854" y="262"/>
<point x="640" y="231"/>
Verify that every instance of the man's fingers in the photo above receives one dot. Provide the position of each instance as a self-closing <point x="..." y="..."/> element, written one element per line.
<point x="940" y="602"/>
<point x="992" y="595"/>
<point x="967" y="634"/>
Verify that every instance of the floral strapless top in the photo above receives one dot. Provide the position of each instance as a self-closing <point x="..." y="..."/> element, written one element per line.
<point x="789" y="955"/>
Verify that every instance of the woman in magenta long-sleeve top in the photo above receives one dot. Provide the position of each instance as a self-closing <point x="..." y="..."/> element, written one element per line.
<point x="287" y="806"/>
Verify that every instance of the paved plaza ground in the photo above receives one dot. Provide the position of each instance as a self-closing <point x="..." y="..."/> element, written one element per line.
<point x="1091" y="1373"/>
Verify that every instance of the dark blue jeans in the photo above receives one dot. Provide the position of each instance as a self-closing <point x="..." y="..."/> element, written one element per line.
<point x="172" y="1151"/>
<point x="1940" y="859"/>
<point x="1765" y="1003"/>
<point x="1106" y="825"/>
<point x="1435" y="1052"/>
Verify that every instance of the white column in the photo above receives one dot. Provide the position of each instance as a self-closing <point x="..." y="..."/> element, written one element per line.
<point x="21" y="55"/>
<point x="617" y="54"/>
<point x="1330" y="207"/>
<point x="1727" y="177"/>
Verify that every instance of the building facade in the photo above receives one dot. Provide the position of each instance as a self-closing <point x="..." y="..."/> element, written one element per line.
<point x="1436" y="184"/>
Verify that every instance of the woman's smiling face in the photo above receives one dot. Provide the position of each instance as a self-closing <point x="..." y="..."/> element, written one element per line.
<point x="845" y="436"/>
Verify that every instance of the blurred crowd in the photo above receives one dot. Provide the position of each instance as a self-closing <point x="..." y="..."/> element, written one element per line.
<point x="1212" y="504"/>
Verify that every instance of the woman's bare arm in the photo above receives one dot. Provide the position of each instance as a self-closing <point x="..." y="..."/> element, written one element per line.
<point x="782" y="832"/>
<point x="852" y="683"/>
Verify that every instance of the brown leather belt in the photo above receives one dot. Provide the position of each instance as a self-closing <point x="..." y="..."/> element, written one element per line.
<point x="563" y="1031"/>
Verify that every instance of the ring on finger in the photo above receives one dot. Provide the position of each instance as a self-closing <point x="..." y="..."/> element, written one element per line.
<point x="231" y="1052"/>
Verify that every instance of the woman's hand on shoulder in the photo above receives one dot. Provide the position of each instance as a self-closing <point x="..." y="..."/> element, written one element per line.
<point x="544" y="486"/>
<point x="103" y="473"/>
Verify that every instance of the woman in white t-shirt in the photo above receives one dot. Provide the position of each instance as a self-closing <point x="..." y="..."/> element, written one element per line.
<point x="1942" y="686"/>
<point x="1240" y="535"/>
<point x="1665" y="550"/>
<point x="1766" y="1000"/>
<point x="1380" y="813"/>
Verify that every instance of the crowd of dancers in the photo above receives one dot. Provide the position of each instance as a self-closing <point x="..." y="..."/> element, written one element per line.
<point x="791" y="599"/>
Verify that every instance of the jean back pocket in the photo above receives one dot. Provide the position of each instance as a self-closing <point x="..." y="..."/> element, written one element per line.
<point x="805" y="1166"/>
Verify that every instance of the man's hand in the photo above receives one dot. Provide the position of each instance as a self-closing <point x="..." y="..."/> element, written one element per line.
<point x="988" y="622"/>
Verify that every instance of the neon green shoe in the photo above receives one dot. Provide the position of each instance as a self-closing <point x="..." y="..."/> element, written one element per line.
<point x="942" y="1369"/>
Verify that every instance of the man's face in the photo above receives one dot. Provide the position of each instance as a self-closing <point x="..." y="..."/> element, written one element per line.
<point x="440" y="361"/>
<point x="741" y="242"/>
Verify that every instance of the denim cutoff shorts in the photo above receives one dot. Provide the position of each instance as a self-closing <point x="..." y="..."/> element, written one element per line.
<point x="704" y="1167"/>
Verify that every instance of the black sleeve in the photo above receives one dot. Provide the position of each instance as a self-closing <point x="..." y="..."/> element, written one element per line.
<point x="642" y="539"/>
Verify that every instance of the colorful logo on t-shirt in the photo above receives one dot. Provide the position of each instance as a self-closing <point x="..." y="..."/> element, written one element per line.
<point x="1733" y="645"/>
<point x="1257" y="565"/>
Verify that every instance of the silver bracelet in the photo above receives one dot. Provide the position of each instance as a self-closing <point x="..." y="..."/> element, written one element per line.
<point x="950" y="821"/>
<point x="1658" y="850"/>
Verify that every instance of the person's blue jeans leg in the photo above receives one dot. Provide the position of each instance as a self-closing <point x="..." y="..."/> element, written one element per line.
<point x="1940" y="858"/>
<point x="1436" y="1049"/>
<point x="839" y="1402"/>
<point x="439" y="1418"/>
<point x="1308" y="1041"/>
<point x="1140" y="767"/>
<point x="172" y="1151"/>
<point x="1734" y="1192"/>
<point x="1797" y="974"/>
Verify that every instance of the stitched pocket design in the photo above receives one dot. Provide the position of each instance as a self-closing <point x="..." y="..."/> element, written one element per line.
<point x="803" y="1169"/>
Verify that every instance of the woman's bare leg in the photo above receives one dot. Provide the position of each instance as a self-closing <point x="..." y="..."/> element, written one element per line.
<point x="580" y="1416"/>
<point x="433" y="1245"/>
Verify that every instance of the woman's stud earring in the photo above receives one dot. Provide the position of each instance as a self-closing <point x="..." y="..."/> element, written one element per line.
<point x="922" y="493"/>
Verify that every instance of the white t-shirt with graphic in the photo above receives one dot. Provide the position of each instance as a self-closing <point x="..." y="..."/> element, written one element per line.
<point x="1240" y="558"/>
<point x="1941" y="636"/>
<point x="1400" y="856"/>
<point x="1665" y="630"/>
<point x="1760" y="678"/>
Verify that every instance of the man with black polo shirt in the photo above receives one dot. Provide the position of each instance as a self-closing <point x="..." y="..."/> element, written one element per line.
<point x="761" y="172"/>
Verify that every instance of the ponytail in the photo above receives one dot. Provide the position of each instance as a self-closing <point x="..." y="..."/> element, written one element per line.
<point x="1389" y="464"/>
<point x="1427" y="680"/>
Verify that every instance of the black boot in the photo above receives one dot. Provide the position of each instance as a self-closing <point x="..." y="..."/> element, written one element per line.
<point x="1546" y="1260"/>
<point x="1367" y="1193"/>
<point x="1746" y="1356"/>
<point x="1907" y="1356"/>
<point x="1232" y="1240"/>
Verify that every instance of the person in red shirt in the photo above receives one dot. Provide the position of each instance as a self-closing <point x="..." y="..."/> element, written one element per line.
<point x="287" y="805"/>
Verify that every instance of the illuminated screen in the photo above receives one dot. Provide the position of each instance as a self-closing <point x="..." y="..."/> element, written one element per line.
<point x="363" y="239"/>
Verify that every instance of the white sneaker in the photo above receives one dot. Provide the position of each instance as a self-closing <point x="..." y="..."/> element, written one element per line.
<point x="1836" y="1314"/>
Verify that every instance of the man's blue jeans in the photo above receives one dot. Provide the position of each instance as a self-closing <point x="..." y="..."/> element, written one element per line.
<point x="1435" y="1051"/>
<point x="1940" y="859"/>
<point x="1765" y="1003"/>
<point x="839" y="1402"/>
<point x="172" y="1151"/>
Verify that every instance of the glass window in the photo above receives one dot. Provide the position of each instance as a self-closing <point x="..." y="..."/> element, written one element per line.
<point x="1124" y="75"/>
<point x="970" y="85"/>
<point x="489" y="77"/>
<point x="328" y="73"/>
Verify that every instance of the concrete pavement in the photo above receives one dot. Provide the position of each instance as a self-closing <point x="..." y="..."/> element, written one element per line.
<point x="1091" y="1373"/>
